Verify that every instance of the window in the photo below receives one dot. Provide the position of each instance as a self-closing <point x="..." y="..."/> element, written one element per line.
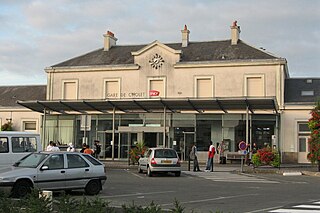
<point x="24" y="144"/>
<point x="307" y="93"/>
<point x="29" y="125"/>
<point x="254" y="86"/>
<point x="4" y="145"/>
<point x="70" y="90"/>
<point x="92" y="160"/>
<point x="158" y="88"/>
<point x="303" y="128"/>
<point x="112" y="89"/>
<point x="204" y="87"/>
<point x="302" y="144"/>
<point x="75" y="161"/>
<point x="55" y="161"/>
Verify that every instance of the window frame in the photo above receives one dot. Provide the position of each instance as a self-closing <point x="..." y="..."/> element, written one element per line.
<point x="196" y="78"/>
<point x="76" y="81"/>
<point x="105" y="86"/>
<point x="247" y="76"/>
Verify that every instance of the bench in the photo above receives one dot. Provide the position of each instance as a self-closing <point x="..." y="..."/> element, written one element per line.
<point x="234" y="156"/>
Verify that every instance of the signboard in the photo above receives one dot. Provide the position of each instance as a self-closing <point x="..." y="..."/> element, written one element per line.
<point x="154" y="93"/>
<point x="242" y="145"/>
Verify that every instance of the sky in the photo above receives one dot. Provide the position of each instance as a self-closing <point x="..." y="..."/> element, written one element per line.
<point x="36" y="34"/>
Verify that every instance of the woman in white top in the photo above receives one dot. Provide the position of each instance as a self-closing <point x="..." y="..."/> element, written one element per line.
<point x="55" y="148"/>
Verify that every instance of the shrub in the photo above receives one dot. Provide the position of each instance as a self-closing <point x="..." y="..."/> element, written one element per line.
<point x="314" y="140"/>
<point x="137" y="151"/>
<point x="266" y="156"/>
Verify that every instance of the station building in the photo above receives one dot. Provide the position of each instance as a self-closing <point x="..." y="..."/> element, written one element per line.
<point x="174" y="94"/>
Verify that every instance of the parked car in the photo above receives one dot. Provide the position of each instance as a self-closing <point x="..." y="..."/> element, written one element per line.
<point x="160" y="160"/>
<point x="54" y="171"/>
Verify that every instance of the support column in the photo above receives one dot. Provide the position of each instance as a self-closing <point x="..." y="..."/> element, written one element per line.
<point x="164" y="126"/>
<point x="44" y="128"/>
<point x="247" y="124"/>
<point x="113" y="131"/>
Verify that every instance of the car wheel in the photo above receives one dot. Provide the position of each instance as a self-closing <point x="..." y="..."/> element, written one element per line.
<point x="21" y="188"/>
<point x="177" y="174"/>
<point x="93" y="187"/>
<point x="149" y="173"/>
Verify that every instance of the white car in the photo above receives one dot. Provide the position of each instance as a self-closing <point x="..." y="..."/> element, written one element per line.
<point x="54" y="171"/>
<point x="160" y="160"/>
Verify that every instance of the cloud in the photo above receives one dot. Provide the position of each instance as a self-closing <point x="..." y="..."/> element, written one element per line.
<point x="36" y="34"/>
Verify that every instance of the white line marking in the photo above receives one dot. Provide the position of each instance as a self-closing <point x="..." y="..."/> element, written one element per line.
<point x="264" y="210"/>
<point x="294" y="210"/>
<point x="308" y="206"/>
<point x="210" y="199"/>
<point x="137" y="194"/>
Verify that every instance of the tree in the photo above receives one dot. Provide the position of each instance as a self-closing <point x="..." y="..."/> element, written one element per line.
<point x="314" y="139"/>
<point x="7" y="126"/>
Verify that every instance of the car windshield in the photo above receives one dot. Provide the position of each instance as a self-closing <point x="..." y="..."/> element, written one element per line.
<point x="31" y="161"/>
<point x="165" y="153"/>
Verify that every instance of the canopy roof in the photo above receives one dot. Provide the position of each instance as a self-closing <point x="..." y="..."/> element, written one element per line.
<point x="202" y="105"/>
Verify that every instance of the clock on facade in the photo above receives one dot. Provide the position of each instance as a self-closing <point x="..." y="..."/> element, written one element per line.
<point x="156" y="62"/>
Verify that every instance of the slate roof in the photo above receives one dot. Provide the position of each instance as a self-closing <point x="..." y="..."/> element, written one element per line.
<point x="10" y="94"/>
<point x="195" y="51"/>
<point x="294" y="87"/>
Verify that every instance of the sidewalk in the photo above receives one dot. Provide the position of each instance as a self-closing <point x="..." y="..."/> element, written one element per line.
<point x="305" y="169"/>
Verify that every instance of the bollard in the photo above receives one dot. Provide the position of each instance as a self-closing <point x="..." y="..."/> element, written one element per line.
<point x="48" y="196"/>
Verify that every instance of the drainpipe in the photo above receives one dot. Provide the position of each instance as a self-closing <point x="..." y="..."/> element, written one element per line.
<point x="164" y="126"/>
<point x="113" y="130"/>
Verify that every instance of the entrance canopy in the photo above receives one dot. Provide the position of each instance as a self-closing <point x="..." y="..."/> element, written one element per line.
<point x="200" y="105"/>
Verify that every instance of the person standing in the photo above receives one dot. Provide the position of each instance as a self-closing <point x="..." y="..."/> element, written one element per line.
<point x="55" y="148"/>
<point x="71" y="148"/>
<point x="211" y="153"/>
<point x="84" y="146"/>
<point x="49" y="147"/>
<point x="194" y="156"/>
<point x="97" y="148"/>
<point x="88" y="150"/>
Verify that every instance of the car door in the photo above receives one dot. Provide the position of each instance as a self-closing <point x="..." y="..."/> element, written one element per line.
<point x="51" y="174"/>
<point x="78" y="171"/>
<point x="144" y="160"/>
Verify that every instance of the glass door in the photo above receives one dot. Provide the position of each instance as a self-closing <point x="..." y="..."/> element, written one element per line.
<point x="303" y="149"/>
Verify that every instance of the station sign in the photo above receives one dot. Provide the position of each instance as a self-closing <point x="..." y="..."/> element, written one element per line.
<point x="154" y="93"/>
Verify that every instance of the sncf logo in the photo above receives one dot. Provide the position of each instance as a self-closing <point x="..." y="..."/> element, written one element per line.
<point x="154" y="93"/>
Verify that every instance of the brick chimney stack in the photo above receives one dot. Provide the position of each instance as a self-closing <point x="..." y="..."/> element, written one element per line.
<point x="109" y="40"/>
<point x="185" y="36"/>
<point x="235" y="33"/>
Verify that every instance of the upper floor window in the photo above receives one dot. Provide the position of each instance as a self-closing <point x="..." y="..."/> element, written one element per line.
<point x="29" y="125"/>
<point x="307" y="93"/>
<point x="204" y="87"/>
<point x="70" y="90"/>
<point x="112" y="88"/>
<point x="157" y="88"/>
<point x="254" y="86"/>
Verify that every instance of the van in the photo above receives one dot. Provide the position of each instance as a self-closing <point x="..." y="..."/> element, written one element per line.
<point x="15" y="145"/>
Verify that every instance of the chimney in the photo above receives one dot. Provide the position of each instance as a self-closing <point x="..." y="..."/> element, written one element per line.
<point x="235" y="33"/>
<point x="109" y="40"/>
<point x="185" y="36"/>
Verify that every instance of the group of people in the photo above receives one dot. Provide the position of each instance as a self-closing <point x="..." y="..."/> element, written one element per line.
<point x="52" y="147"/>
<point x="194" y="156"/>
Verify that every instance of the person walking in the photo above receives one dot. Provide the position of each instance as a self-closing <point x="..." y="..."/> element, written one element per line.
<point x="194" y="156"/>
<point x="49" y="147"/>
<point x="211" y="152"/>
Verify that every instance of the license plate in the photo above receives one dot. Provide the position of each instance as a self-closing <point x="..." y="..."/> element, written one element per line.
<point x="166" y="161"/>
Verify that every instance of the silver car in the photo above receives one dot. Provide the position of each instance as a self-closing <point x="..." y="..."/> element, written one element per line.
<point x="160" y="160"/>
<point x="54" y="171"/>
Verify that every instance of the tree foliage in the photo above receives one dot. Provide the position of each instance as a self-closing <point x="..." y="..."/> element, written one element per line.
<point x="314" y="139"/>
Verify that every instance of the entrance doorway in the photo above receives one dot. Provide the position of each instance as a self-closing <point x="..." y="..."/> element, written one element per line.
<point x="303" y="149"/>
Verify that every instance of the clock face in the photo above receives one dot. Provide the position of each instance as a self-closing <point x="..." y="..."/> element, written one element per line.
<point x="156" y="62"/>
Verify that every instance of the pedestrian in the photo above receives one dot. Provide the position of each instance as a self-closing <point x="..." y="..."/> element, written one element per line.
<point x="49" y="147"/>
<point x="211" y="152"/>
<point x="97" y="148"/>
<point x="71" y="148"/>
<point x="55" y="148"/>
<point x="194" y="155"/>
<point x="84" y="146"/>
<point x="88" y="150"/>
